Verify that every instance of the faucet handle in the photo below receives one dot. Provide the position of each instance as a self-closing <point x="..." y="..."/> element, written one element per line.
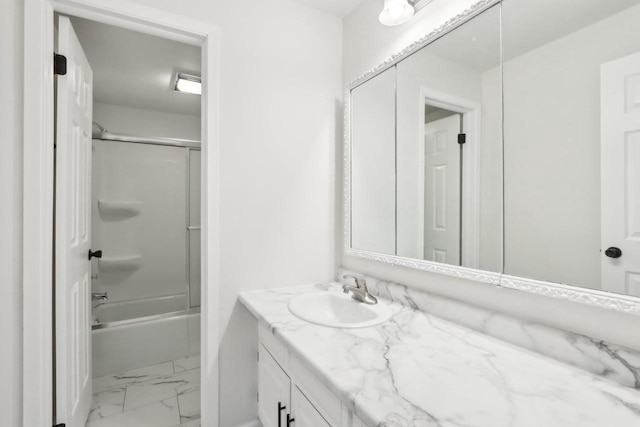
<point x="361" y="283"/>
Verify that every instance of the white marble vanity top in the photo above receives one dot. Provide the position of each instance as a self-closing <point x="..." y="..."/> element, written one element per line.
<point x="419" y="370"/>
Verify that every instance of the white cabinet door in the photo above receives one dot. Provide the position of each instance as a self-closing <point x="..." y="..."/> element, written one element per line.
<point x="620" y="175"/>
<point x="274" y="391"/>
<point x="73" y="238"/>
<point x="303" y="412"/>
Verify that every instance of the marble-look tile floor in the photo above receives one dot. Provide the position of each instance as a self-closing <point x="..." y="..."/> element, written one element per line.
<point x="164" y="395"/>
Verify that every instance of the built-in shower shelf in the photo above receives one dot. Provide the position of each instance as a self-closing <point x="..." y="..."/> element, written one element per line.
<point x="120" y="264"/>
<point x="117" y="210"/>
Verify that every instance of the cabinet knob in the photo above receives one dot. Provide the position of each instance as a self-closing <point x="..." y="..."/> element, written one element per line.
<point x="290" y="420"/>
<point x="281" y="407"/>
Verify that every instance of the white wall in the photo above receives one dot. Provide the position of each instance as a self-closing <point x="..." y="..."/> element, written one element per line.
<point x="552" y="213"/>
<point x="280" y="101"/>
<point x="367" y="43"/>
<point x="146" y="123"/>
<point x="11" y="13"/>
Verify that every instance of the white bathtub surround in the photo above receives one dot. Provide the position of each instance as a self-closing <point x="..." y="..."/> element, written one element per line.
<point x="163" y="395"/>
<point x="617" y="363"/>
<point x="417" y="369"/>
<point x="137" y="345"/>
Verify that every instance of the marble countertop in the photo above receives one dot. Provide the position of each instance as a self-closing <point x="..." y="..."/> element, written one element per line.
<point x="419" y="370"/>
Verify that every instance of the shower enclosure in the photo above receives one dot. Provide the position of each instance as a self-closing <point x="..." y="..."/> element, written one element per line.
<point x="146" y="221"/>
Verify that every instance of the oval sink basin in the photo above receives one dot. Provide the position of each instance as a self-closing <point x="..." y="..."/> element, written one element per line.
<point x="338" y="310"/>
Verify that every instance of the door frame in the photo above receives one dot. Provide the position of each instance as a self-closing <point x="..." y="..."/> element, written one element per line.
<point x="470" y="179"/>
<point x="37" y="228"/>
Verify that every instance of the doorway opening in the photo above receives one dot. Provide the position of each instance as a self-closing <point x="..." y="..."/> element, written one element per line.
<point x="38" y="193"/>
<point x="449" y="176"/>
<point x="127" y="209"/>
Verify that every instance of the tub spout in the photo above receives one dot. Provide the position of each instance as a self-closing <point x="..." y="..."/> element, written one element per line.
<point x="99" y="296"/>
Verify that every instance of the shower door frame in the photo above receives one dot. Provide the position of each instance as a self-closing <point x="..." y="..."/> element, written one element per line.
<point x="38" y="178"/>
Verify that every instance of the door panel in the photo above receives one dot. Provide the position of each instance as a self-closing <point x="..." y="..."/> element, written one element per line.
<point x="303" y="412"/>
<point x="73" y="236"/>
<point x="620" y="164"/>
<point x="274" y="391"/>
<point x="442" y="190"/>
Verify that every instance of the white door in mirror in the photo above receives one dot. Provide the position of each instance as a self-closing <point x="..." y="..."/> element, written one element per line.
<point x="620" y="169"/>
<point x="442" y="190"/>
<point x="338" y="310"/>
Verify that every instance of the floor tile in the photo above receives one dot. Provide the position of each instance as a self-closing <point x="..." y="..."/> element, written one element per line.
<point x="158" y="414"/>
<point x="189" y="406"/>
<point x="186" y="364"/>
<point x="107" y="403"/>
<point x="161" y="388"/>
<point x="132" y="377"/>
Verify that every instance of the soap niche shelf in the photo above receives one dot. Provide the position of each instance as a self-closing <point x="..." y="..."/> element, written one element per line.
<point x="122" y="264"/>
<point x="119" y="210"/>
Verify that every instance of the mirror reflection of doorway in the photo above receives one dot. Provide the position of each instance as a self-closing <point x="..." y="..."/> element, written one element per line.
<point x="442" y="185"/>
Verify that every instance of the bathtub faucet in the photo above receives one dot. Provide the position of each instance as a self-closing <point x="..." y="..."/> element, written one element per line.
<point x="95" y="296"/>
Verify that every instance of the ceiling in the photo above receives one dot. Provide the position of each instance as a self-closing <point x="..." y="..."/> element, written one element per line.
<point x="137" y="70"/>
<point x="339" y="8"/>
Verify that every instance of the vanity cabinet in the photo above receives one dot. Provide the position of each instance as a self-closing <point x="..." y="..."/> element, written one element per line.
<point x="289" y="395"/>
<point x="280" y="402"/>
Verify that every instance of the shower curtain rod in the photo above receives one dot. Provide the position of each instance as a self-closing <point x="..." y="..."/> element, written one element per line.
<point x="101" y="133"/>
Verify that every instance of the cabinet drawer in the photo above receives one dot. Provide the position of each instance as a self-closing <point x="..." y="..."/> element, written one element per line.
<point x="278" y="350"/>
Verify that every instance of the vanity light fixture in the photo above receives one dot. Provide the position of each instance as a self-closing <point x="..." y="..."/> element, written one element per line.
<point x="188" y="83"/>
<point x="396" y="12"/>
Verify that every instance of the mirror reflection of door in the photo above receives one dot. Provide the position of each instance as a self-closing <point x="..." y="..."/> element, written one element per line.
<point x="442" y="185"/>
<point x="620" y="175"/>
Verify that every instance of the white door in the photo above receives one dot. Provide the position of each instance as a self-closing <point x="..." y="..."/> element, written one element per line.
<point x="442" y="190"/>
<point x="274" y="391"/>
<point x="303" y="412"/>
<point x="72" y="238"/>
<point x="620" y="175"/>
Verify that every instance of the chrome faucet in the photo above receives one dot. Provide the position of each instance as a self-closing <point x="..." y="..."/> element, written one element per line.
<point x="360" y="291"/>
<point x="102" y="296"/>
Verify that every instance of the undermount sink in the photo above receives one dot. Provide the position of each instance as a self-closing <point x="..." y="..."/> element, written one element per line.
<point x="338" y="310"/>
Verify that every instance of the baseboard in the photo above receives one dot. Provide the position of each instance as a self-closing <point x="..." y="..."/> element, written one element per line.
<point x="254" y="423"/>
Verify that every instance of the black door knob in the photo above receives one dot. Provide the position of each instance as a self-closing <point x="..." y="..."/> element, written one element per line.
<point x="613" y="252"/>
<point x="96" y="254"/>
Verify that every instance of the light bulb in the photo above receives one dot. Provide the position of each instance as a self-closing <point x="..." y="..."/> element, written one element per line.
<point x="396" y="12"/>
<point x="395" y="9"/>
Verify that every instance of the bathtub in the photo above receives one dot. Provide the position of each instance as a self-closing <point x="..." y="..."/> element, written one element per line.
<point x="109" y="312"/>
<point x="135" y="334"/>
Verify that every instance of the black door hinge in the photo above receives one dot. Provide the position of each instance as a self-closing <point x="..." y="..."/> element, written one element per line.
<point x="462" y="138"/>
<point x="59" y="68"/>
